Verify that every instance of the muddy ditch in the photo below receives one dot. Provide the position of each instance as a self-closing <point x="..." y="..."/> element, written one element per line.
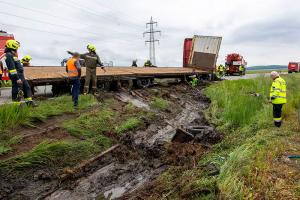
<point x="138" y="158"/>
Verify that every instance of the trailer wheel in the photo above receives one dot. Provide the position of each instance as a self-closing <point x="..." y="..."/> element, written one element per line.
<point x="143" y="83"/>
<point x="103" y="86"/>
<point x="126" y="84"/>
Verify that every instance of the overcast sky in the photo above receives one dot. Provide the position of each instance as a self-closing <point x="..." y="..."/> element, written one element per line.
<point x="265" y="32"/>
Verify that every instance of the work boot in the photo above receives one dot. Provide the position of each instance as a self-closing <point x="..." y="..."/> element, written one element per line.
<point x="31" y="103"/>
<point x="277" y="124"/>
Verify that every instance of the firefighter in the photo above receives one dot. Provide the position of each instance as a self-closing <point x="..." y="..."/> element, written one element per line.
<point x="195" y="81"/>
<point x="91" y="60"/>
<point x="221" y="70"/>
<point x="26" y="61"/>
<point x="277" y="97"/>
<point x="134" y="63"/>
<point x="148" y="64"/>
<point x="241" y="70"/>
<point x="20" y="85"/>
<point x="73" y="69"/>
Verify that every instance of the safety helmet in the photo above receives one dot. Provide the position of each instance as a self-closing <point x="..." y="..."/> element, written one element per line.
<point x="12" y="44"/>
<point x="91" y="47"/>
<point x="26" y="59"/>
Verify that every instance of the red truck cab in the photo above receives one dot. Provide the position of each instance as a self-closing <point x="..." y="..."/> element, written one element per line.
<point x="293" y="67"/>
<point x="4" y="36"/>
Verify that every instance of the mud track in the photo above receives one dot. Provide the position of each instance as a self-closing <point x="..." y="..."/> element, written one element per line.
<point x="139" y="157"/>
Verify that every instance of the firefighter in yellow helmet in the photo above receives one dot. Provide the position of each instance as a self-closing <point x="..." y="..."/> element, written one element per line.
<point x="26" y="61"/>
<point x="148" y="64"/>
<point x="277" y="97"/>
<point x="20" y="85"/>
<point x="91" y="62"/>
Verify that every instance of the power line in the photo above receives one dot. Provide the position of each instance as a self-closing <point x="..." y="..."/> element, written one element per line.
<point x="151" y="40"/>
<point x="44" y="22"/>
<point x="93" y="12"/>
<point x="39" y="30"/>
<point x="37" y="11"/>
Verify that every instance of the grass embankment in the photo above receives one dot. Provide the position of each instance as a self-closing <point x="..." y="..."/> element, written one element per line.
<point x="14" y="116"/>
<point x="252" y="145"/>
<point x="250" y="155"/>
<point x="95" y="131"/>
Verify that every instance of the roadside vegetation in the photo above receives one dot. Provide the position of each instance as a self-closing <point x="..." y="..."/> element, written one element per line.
<point x="264" y="71"/>
<point x="14" y="116"/>
<point x="159" y="103"/>
<point x="90" y="133"/>
<point x="251" y="158"/>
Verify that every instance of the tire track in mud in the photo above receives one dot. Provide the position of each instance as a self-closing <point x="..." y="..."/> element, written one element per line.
<point x="140" y="157"/>
<point x="152" y="156"/>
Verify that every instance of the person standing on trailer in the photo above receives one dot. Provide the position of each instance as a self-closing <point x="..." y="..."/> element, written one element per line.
<point x="20" y="85"/>
<point x="277" y="97"/>
<point x="73" y="69"/>
<point x="26" y="61"/>
<point x="92" y="61"/>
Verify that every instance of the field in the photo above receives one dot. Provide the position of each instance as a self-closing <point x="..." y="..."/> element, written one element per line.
<point x="115" y="142"/>
<point x="264" y="71"/>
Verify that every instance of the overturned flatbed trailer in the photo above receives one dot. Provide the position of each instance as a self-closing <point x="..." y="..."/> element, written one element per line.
<point x="118" y="76"/>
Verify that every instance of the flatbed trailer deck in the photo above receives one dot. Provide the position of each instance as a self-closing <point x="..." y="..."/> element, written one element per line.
<point x="140" y="76"/>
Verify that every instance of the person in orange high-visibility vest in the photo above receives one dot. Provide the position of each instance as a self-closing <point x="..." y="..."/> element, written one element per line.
<point x="73" y="69"/>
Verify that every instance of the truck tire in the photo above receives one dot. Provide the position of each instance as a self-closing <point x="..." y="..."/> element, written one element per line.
<point x="143" y="83"/>
<point x="103" y="86"/>
<point x="290" y="72"/>
<point x="127" y="84"/>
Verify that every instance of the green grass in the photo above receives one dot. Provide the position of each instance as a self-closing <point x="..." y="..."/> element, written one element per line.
<point x="248" y="154"/>
<point x="13" y="116"/>
<point x="129" y="124"/>
<point x="263" y="71"/>
<point x="90" y="128"/>
<point x="91" y="124"/>
<point x="250" y="136"/>
<point x="55" y="155"/>
<point x="159" y="103"/>
<point x="108" y="120"/>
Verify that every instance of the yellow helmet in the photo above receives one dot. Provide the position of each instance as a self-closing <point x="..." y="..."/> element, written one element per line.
<point x="26" y="59"/>
<point x="91" y="47"/>
<point x="12" y="44"/>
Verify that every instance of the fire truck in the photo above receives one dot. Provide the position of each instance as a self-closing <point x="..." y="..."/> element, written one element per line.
<point x="233" y="62"/>
<point x="4" y="36"/>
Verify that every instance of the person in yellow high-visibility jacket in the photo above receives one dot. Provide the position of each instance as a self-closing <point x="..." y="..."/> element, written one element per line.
<point x="277" y="97"/>
<point x="221" y="70"/>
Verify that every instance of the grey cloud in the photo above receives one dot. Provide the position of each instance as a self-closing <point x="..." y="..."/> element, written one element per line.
<point x="284" y="30"/>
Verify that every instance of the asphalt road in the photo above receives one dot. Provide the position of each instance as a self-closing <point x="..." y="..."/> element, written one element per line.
<point x="247" y="76"/>
<point x="5" y="93"/>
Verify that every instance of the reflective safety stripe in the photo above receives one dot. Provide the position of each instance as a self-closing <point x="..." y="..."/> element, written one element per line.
<point x="277" y="119"/>
<point x="279" y="97"/>
<point x="13" y="71"/>
<point x="16" y="102"/>
<point x="28" y="99"/>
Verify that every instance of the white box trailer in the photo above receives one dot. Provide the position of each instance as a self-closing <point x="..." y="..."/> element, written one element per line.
<point x="204" y="52"/>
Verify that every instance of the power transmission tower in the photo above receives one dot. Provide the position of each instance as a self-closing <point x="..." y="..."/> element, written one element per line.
<point x="151" y="40"/>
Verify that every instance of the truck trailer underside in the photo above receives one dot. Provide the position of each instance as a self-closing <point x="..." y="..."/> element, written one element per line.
<point x="118" y="76"/>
